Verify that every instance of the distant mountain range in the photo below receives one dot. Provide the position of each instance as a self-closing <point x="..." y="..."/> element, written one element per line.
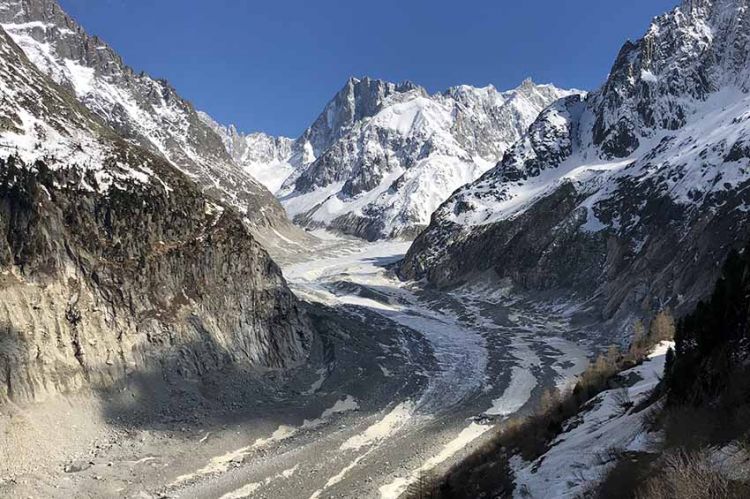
<point x="381" y="157"/>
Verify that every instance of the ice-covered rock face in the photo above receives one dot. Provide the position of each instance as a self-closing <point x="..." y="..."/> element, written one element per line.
<point x="113" y="263"/>
<point x="384" y="156"/>
<point x="146" y="111"/>
<point x="277" y="162"/>
<point x="632" y="194"/>
<point x="358" y="100"/>
<point x="485" y="118"/>
<point x="657" y="83"/>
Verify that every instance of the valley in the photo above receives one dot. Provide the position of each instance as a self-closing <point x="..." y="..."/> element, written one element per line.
<point x="404" y="381"/>
<point x="534" y="292"/>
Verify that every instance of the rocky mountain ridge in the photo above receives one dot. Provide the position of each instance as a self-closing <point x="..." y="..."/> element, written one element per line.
<point x="113" y="263"/>
<point x="144" y="110"/>
<point x="632" y="195"/>
<point x="382" y="156"/>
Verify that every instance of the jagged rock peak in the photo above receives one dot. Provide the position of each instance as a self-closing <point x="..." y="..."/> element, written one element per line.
<point x="360" y="98"/>
<point x="399" y="152"/>
<point x="657" y="82"/>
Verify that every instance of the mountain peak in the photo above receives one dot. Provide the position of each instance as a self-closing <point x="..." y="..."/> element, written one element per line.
<point x="359" y="98"/>
<point x="369" y="83"/>
<point x="527" y="83"/>
<point x="687" y="54"/>
<point x="144" y="110"/>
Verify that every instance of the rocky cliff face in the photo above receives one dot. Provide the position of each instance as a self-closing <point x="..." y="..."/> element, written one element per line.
<point x="112" y="262"/>
<point x="382" y="157"/>
<point x="633" y="195"/>
<point x="146" y="111"/>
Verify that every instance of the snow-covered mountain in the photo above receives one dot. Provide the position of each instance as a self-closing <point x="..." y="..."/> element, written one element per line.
<point x="633" y="194"/>
<point x="265" y="157"/>
<point x="382" y="156"/>
<point x="277" y="162"/>
<point x="146" y="111"/>
<point x="113" y="263"/>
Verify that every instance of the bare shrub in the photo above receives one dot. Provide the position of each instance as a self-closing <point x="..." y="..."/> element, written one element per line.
<point x="687" y="475"/>
<point x="662" y="327"/>
<point x="621" y="397"/>
<point x="639" y="343"/>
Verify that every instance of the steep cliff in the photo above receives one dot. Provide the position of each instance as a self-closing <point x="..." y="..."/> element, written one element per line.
<point x="113" y="262"/>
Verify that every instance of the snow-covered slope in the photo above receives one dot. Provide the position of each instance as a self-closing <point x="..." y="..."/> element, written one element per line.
<point x="632" y="194"/>
<point x="146" y="111"/>
<point x="266" y="158"/>
<point x="381" y="157"/>
<point x="611" y="423"/>
<point x="40" y="122"/>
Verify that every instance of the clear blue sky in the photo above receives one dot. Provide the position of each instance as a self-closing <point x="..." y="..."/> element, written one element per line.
<point x="271" y="65"/>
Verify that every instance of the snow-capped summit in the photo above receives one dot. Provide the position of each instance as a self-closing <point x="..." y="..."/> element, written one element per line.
<point x="482" y="111"/>
<point x="357" y="100"/>
<point x="265" y="157"/>
<point x="278" y="162"/>
<point x="634" y="193"/>
<point x="382" y="156"/>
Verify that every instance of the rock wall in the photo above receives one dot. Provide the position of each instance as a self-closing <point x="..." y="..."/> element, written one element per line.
<point x="97" y="284"/>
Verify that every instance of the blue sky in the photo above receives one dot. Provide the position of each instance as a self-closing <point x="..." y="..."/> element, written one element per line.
<point x="271" y="65"/>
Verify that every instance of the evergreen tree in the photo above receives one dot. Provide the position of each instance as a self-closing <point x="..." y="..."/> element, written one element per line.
<point x="712" y="342"/>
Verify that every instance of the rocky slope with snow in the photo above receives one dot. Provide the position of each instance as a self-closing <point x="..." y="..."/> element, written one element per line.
<point x="144" y="110"/>
<point x="267" y="158"/>
<point x="381" y="157"/>
<point x="633" y="194"/>
<point x="113" y="263"/>
<point x="609" y="426"/>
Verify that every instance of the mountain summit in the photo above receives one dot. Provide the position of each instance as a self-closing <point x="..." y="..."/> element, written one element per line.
<point x="146" y="111"/>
